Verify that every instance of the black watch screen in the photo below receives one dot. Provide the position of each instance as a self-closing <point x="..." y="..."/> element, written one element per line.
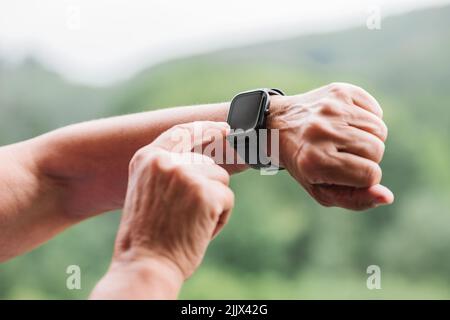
<point x="246" y="118"/>
<point x="245" y="110"/>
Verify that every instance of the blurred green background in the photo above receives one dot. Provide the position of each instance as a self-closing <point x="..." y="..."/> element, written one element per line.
<point x="279" y="243"/>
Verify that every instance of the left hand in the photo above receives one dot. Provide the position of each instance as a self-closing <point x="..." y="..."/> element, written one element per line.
<point x="331" y="142"/>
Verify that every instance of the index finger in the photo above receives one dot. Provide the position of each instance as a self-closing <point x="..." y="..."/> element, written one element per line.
<point x="185" y="137"/>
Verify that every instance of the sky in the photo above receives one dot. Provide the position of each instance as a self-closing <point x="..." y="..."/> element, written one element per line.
<point x="103" y="41"/>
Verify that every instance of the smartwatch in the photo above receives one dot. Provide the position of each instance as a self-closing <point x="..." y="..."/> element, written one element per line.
<point x="247" y="117"/>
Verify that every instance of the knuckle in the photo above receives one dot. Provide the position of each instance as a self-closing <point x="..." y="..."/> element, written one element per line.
<point x="223" y="174"/>
<point x="335" y="86"/>
<point x="216" y="210"/>
<point x="379" y="150"/>
<point x="143" y="157"/>
<point x="232" y="199"/>
<point x="383" y="131"/>
<point x="162" y="164"/>
<point x="329" y="107"/>
<point x="156" y="160"/>
<point x="314" y="125"/>
<point x="177" y="172"/>
<point x="137" y="159"/>
<point x="372" y="174"/>
<point x="354" y="89"/>
<point x="376" y="124"/>
<point x="339" y="89"/>
<point x="225" y="177"/>
<point x="228" y="199"/>
<point x="372" y="149"/>
<point x="199" y="191"/>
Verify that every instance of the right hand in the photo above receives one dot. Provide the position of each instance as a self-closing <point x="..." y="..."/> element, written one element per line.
<point x="176" y="201"/>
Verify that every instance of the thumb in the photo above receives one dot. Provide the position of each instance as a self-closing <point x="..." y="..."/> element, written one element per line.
<point x="353" y="198"/>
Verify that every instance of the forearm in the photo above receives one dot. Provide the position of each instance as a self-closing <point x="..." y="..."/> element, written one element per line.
<point x="53" y="181"/>
<point x="29" y="205"/>
<point x="82" y="170"/>
<point x="94" y="156"/>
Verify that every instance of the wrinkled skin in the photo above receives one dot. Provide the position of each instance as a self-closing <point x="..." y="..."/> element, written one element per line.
<point x="174" y="205"/>
<point x="331" y="142"/>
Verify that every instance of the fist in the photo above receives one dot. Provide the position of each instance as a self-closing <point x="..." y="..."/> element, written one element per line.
<point x="331" y="142"/>
<point x="176" y="201"/>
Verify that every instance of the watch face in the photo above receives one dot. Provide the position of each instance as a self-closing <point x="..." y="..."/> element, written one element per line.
<point x="245" y="110"/>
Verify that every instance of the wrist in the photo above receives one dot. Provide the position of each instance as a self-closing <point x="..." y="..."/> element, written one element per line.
<point x="140" y="276"/>
<point x="279" y="105"/>
<point x="150" y="263"/>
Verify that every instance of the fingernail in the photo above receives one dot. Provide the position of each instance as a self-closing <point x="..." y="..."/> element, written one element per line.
<point x="379" y="201"/>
